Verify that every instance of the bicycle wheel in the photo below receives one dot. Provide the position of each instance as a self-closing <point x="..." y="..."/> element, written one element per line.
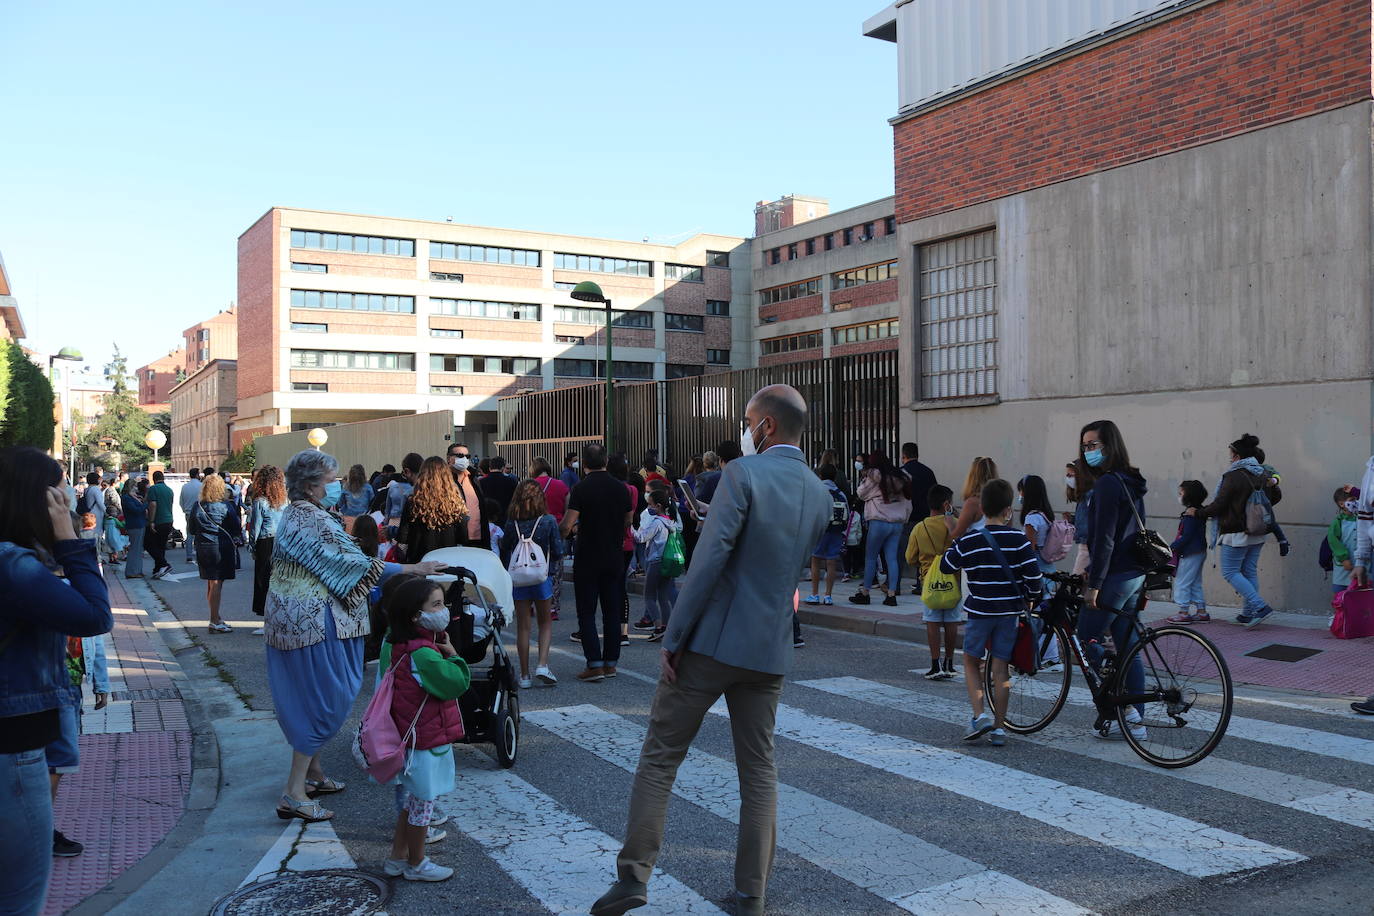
<point x="1190" y="687"/>
<point x="1036" y="698"/>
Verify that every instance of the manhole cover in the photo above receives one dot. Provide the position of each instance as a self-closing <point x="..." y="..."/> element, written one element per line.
<point x="332" y="891"/>
<point x="1278" y="652"/>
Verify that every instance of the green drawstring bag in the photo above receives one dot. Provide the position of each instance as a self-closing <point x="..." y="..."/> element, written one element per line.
<point x="674" y="560"/>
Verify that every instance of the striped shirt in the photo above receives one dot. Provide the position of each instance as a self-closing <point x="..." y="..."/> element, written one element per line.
<point x="990" y="592"/>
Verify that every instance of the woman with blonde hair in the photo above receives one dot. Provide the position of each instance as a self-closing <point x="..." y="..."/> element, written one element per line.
<point x="435" y="514"/>
<point x="980" y="472"/>
<point x="217" y="530"/>
<point x="269" y="498"/>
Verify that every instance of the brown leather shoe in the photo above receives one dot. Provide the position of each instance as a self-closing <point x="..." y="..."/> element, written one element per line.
<point x="608" y="671"/>
<point x="592" y="674"/>
<point x="623" y="896"/>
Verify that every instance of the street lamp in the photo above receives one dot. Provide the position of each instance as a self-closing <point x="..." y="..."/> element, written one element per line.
<point x="587" y="291"/>
<point x="70" y="354"/>
<point x="155" y="439"/>
<point x="317" y="437"/>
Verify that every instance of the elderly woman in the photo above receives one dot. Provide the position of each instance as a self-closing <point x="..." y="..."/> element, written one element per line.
<point x="316" y="621"/>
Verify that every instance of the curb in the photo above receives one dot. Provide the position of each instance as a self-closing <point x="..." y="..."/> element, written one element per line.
<point x="205" y="760"/>
<point x="865" y="624"/>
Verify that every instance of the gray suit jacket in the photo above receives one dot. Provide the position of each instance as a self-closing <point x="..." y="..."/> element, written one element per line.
<point x="765" y="519"/>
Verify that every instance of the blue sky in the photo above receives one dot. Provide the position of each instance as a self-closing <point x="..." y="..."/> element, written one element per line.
<point x="141" y="139"/>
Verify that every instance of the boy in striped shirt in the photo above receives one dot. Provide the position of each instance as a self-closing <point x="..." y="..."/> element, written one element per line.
<point x="997" y="590"/>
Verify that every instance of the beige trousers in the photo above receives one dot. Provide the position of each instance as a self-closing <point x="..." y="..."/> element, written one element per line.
<point x="678" y="710"/>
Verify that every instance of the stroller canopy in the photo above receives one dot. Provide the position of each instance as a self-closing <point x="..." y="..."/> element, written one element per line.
<point x="492" y="577"/>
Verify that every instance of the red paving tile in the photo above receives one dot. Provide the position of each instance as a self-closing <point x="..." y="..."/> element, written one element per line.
<point x="131" y="788"/>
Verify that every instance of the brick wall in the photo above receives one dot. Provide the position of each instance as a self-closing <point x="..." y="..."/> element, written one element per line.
<point x="489" y="274"/>
<point x="617" y="287"/>
<point x="685" y="297"/>
<point x="856" y="297"/>
<point x="719" y="334"/>
<point x="347" y="264"/>
<point x="718" y="283"/>
<point x="487" y="328"/>
<point x="796" y="356"/>
<point x="686" y="347"/>
<point x="481" y="383"/>
<point x="242" y="437"/>
<point x="792" y="308"/>
<point x="259" y="345"/>
<point x="865" y="346"/>
<point x="344" y="321"/>
<point x="1227" y="68"/>
<point x="595" y="335"/>
<point x="363" y="381"/>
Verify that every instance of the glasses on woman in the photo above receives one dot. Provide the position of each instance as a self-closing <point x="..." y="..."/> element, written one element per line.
<point x="1092" y="446"/>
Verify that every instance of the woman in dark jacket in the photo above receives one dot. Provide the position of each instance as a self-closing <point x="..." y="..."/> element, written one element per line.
<point x="1240" y="551"/>
<point x="435" y="514"/>
<point x="215" y="520"/>
<point x="1115" y="576"/>
<point x="39" y="549"/>
<point x="135" y="525"/>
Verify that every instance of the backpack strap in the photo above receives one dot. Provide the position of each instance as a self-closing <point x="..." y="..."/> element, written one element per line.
<point x="1012" y="575"/>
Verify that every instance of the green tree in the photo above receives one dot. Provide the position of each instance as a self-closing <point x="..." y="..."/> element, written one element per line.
<point x="28" y="417"/>
<point x="241" y="462"/>
<point x="123" y="422"/>
<point x="163" y="421"/>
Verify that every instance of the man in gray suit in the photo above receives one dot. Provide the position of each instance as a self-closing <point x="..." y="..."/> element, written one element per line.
<point x="731" y="634"/>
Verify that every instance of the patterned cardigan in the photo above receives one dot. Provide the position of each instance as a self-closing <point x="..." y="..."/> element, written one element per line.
<point x="316" y="569"/>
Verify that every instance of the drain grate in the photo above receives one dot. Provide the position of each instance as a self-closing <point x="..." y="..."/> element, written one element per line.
<point x="1278" y="652"/>
<point x="149" y="693"/>
<point x="327" y="892"/>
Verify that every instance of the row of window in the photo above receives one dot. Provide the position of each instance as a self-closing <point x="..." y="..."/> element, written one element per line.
<point x="717" y="307"/>
<point x="481" y="308"/>
<point x="810" y="287"/>
<point x="682" y="272"/>
<point x="357" y="302"/>
<point x="808" y="341"/>
<point x="865" y="233"/>
<point x="571" y="315"/>
<point x="358" y="244"/>
<point x="495" y="365"/>
<point x="489" y="254"/>
<point x="718" y="357"/>
<point x="593" y="368"/>
<point x="862" y="275"/>
<point x="448" y="277"/>
<point x="303" y="267"/>
<point x="873" y="330"/>
<point x="351" y="359"/>
<point x="594" y="264"/>
<point x="324" y="386"/>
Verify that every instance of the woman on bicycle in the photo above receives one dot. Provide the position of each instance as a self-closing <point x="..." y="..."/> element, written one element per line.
<point x="1115" y="576"/>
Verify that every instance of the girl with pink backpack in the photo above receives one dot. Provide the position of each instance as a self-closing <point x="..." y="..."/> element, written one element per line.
<point x="426" y="678"/>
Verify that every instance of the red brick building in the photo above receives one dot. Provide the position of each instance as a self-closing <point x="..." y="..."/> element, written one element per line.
<point x="157" y="379"/>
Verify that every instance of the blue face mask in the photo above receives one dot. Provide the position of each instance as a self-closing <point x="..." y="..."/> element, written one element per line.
<point x="1095" y="458"/>
<point x="332" y="492"/>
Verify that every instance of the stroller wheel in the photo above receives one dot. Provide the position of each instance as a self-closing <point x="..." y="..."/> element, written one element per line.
<point x="507" y="731"/>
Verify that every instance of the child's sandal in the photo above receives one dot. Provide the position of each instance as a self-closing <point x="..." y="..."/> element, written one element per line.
<point x="1182" y="618"/>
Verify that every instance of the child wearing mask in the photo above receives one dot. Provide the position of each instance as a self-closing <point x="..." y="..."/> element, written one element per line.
<point x="1190" y="551"/>
<point x="928" y="542"/>
<point x="1342" y="536"/>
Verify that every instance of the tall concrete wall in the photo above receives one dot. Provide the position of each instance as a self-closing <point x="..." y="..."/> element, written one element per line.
<point x="371" y="443"/>
<point x="1190" y="298"/>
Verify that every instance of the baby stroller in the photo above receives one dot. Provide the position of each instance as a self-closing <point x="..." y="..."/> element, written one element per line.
<point x="478" y="594"/>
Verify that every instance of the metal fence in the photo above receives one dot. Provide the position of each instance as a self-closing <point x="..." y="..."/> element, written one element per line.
<point x="852" y="402"/>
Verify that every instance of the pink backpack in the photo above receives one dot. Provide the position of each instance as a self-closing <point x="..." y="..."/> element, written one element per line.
<point x="378" y="747"/>
<point x="1057" y="541"/>
<point x="1354" y="613"/>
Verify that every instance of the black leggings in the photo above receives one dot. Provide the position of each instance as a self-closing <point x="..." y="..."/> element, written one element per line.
<point x="262" y="573"/>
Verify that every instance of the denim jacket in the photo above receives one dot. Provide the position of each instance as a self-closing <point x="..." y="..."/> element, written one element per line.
<point x="39" y="612"/>
<point x="263" y="519"/>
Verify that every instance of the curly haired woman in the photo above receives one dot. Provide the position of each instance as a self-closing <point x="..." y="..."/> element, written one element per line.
<point x="435" y="514"/>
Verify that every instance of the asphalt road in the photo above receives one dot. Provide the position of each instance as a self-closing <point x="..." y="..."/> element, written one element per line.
<point x="884" y="809"/>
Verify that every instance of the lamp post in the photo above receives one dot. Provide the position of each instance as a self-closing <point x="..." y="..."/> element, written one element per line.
<point x="70" y="354"/>
<point x="317" y="437"/>
<point x="155" y="439"/>
<point x="587" y="291"/>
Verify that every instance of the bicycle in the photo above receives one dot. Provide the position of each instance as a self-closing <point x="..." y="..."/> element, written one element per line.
<point x="1182" y="724"/>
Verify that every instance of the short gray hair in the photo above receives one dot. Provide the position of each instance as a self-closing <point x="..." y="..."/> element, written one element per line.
<point x="710" y="459"/>
<point x="305" y="470"/>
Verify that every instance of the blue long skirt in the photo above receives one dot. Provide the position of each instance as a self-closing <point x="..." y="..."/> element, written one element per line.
<point x="313" y="688"/>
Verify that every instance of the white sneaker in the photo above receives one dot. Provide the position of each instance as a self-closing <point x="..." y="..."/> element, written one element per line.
<point x="260" y="631"/>
<point x="440" y="817"/>
<point x="427" y="871"/>
<point x="545" y="676"/>
<point x="979" y="727"/>
<point x="1114" y="732"/>
<point x="433" y="834"/>
<point x="394" y="867"/>
<point x="526" y="683"/>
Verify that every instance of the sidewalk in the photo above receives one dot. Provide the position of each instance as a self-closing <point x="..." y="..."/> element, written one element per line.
<point x="135" y="761"/>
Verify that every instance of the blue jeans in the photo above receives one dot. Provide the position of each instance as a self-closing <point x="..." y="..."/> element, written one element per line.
<point x="26" y="841"/>
<point x="134" y="565"/>
<point x="1240" y="568"/>
<point x="1120" y="592"/>
<point x="659" y="594"/>
<point x="1188" y="582"/>
<point x="883" y="538"/>
<point x="93" y="648"/>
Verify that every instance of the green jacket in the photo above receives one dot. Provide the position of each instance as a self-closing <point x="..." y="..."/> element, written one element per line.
<point x="1339" y="552"/>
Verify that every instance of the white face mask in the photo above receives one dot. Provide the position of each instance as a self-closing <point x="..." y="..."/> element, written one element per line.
<point x="858" y="465"/>
<point x="461" y="463"/>
<point x="1071" y="482"/>
<point x="576" y="465"/>
<point x="435" y="621"/>
<point x="746" y="442"/>
<point x="1018" y="499"/>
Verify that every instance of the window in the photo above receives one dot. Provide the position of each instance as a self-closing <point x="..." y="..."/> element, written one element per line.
<point x="873" y="330"/>
<point x="829" y="241"/>
<point x="358" y="244"/>
<point x="356" y="302"/>
<point x="861" y="275"/>
<point x="848" y="236"/>
<point x="775" y="256"/>
<point x="303" y="267"/>
<point x="203" y="334"/>
<point x="351" y="359"/>
<point x="575" y="368"/>
<point x="889" y="225"/>
<point x="676" y="370"/>
<point x="204" y="353"/>
<point x="309" y="386"/>
<point x="309" y="327"/>
<point x="868" y="232"/>
<point x="807" y="341"/>
<point x="445" y="389"/>
<point x="683" y="322"/>
<point x="151" y="375"/>
<point x="571" y="315"/>
<point x="446" y="277"/>
<point x="444" y="332"/>
<point x="480" y="308"/>
<point x="682" y="272"/>
<point x="958" y="311"/>
<point x="591" y="368"/>
<point x="632" y="369"/>
<point x="717" y="259"/>
<point x="564" y="284"/>
<point x="450" y="251"/>
<point x="718" y="357"/>
<point x="810" y="246"/>
<point x="810" y="287"/>
<point x="717" y="307"/>
<point x="569" y="339"/>
<point x="600" y="265"/>
<point x="493" y="365"/>
<point x="792" y="252"/>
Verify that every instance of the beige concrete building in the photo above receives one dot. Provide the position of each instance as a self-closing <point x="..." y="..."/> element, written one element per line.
<point x="214" y="338"/>
<point x="202" y="410"/>
<point x="345" y="317"/>
<point x="11" y="325"/>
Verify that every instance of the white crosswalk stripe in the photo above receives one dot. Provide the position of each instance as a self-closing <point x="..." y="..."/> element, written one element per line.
<point x="1174" y="842"/>
<point x="850" y="845"/>
<point x="1338" y="803"/>
<point x="562" y="860"/>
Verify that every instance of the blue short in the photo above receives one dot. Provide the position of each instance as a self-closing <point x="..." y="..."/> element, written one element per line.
<point x="63" y="755"/>
<point x="541" y="592"/>
<point x="948" y="615"/>
<point x="829" y="546"/>
<point x="995" y="635"/>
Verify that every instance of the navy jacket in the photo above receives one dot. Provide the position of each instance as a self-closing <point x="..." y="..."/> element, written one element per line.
<point x="38" y="614"/>
<point x="1192" y="536"/>
<point x="1113" y="526"/>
